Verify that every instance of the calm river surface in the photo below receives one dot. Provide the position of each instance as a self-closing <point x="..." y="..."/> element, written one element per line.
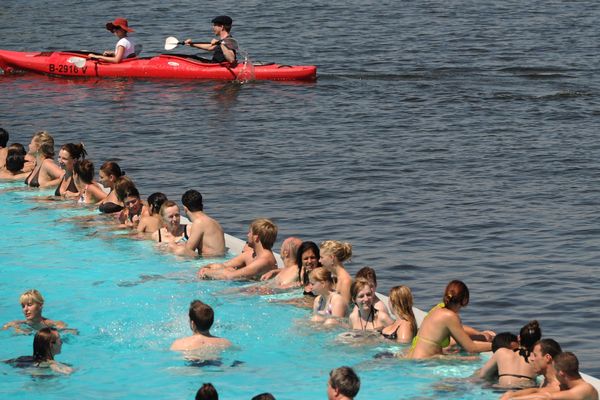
<point x="443" y="139"/>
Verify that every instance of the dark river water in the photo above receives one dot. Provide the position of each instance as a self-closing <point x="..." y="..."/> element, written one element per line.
<point x="443" y="139"/>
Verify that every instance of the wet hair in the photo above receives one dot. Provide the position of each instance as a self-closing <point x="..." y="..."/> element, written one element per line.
<point x="345" y="380"/>
<point x="192" y="200"/>
<point x="207" y="392"/>
<point x="46" y="143"/>
<point x="528" y="336"/>
<point x="165" y="205"/>
<point x="358" y="285"/>
<point x="568" y="363"/>
<point x="14" y="162"/>
<point x="202" y="315"/>
<point x="341" y="251"/>
<point x="322" y="275"/>
<point x="266" y="231"/>
<point x="76" y="151"/>
<point x="42" y="344"/>
<point x="3" y="137"/>
<point x="549" y="346"/>
<point x="17" y="149"/>
<point x="303" y="248"/>
<point x="84" y="170"/>
<point x="504" y="340"/>
<point x="456" y="293"/>
<point x="32" y="295"/>
<point x="155" y="201"/>
<point x="290" y="246"/>
<point x="401" y="302"/>
<point x="112" y="168"/>
<point x="124" y="187"/>
<point x="367" y="273"/>
<point x="264" y="396"/>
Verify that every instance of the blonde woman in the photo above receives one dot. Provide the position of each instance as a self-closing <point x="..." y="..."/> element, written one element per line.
<point x="328" y="305"/>
<point x="333" y="254"/>
<point x="45" y="171"/>
<point x="365" y="316"/>
<point x="32" y="303"/>
<point x="405" y="327"/>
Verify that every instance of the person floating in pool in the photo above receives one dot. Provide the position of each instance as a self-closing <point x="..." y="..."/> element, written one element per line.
<point x="124" y="48"/>
<point x="201" y="317"/>
<point x="32" y="303"/>
<point x="206" y="236"/>
<point x="46" y="344"/>
<point x="221" y="47"/>
<point x="248" y="265"/>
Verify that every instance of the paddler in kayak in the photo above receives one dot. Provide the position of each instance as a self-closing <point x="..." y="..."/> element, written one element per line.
<point x="124" y="47"/>
<point x="219" y="47"/>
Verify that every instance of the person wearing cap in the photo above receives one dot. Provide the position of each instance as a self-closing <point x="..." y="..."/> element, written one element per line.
<point x="124" y="47"/>
<point x="219" y="47"/>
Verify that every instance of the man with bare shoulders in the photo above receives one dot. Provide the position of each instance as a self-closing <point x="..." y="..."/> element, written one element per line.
<point x="567" y="372"/>
<point x="248" y="265"/>
<point x="206" y="237"/>
<point x="287" y="276"/>
<point x="542" y="356"/>
<point x="202" y="317"/>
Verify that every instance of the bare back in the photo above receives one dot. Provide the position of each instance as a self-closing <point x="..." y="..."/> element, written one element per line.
<point x="206" y="236"/>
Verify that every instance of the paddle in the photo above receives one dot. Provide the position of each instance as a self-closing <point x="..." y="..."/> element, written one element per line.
<point x="171" y="42"/>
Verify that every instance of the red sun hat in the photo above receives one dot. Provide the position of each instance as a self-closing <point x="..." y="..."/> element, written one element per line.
<point x="119" y="23"/>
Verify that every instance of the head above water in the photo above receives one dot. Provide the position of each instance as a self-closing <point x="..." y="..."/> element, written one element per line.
<point x="289" y="248"/>
<point x="3" y="137"/>
<point x="456" y="294"/>
<point x="45" y="142"/>
<point x="342" y="251"/>
<point x="31" y="295"/>
<point x="367" y="273"/>
<point x="46" y="344"/>
<point x="85" y="171"/>
<point x="207" y="392"/>
<point x="357" y="286"/>
<point x="566" y="364"/>
<point x="202" y="315"/>
<point x="111" y="168"/>
<point x="505" y="340"/>
<point x="344" y="381"/>
<point x="307" y="248"/>
<point x="124" y="187"/>
<point x="155" y="201"/>
<point x="266" y="231"/>
<point x="530" y="334"/>
<point x="76" y="150"/>
<point x="192" y="200"/>
<point x="15" y="162"/>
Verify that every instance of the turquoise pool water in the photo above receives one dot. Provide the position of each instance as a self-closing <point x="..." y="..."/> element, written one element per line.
<point x="130" y="302"/>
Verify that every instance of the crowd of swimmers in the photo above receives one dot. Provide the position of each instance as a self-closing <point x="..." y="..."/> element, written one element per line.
<point x="336" y="297"/>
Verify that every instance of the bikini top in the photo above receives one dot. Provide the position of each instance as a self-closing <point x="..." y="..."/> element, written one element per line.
<point x="185" y="237"/>
<point x="70" y="189"/>
<point x="34" y="182"/>
<point x="391" y="336"/>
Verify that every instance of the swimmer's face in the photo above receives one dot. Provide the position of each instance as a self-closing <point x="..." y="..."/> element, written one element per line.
<point x="31" y="310"/>
<point x="56" y="343"/>
<point x="326" y="259"/>
<point x="105" y="179"/>
<point x="133" y="204"/>
<point x="171" y="216"/>
<point x="331" y="392"/>
<point x="364" y="298"/>
<point x="309" y="260"/>
<point x="65" y="160"/>
<point x="252" y="238"/>
<point x="34" y="146"/>
<point x="538" y="360"/>
<point x="317" y="287"/>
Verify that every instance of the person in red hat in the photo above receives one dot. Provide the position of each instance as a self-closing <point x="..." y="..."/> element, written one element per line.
<point x="124" y="47"/>
<point x="221" y="48"/>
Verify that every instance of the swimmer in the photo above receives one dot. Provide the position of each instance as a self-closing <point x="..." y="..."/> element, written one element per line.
<point x="404" y="329"/>
<point x="152" y="222"/>
<point x="206" y="235"/>
<point x="201" y="317"/>
<point x="329" y="305"/>
<point x="4" y="136"/>
<point x="364" y="316"/>
<point x="308" y="259"/>
<point x="173" y="230"/>
<point x="442" y="323"/>
<point x="514" y="367"/>
<point x="343" y="384"/>
<point x="46" y="344"/>
<point x="333" y="254"/>
<point x="368" y="273"/>
<point x="207" y="392"/>
<point x="32" y="304"/>
<point x="134" y="209"/>
<point x="45" y="172"/>
<point x="14" y="163"/>
<point x="505" y="340"/>
<point x="542" y="357"/>
<point x="109" y="173"/>
<point x="287" y="276"/>
<point x="574" y="387"/>
<point x="248" y="265"/>
<point x="90" y="191"/>
<point x="69" y="155"/>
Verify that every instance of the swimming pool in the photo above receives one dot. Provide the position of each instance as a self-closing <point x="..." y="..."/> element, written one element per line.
<point x="130" y="302"/>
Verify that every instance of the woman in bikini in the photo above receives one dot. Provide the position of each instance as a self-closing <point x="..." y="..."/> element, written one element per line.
<point x="405" y="327"/>
<point x="69" y="155"/>
<point x="110" y="172"/>
<point x="442" y="323"/>
<point x="513" y="367"/>
<point x="329" y="305"/>
<point x="173" y="231"/>
<point x="45" y="171"/>
<point x="90" y="191"/>
<point x="365" y="316"/>
<point x="333" y="254"/>
<point x="32" y="303"/>
<point x="46" y="344"/>
<point x="152" y="222"/>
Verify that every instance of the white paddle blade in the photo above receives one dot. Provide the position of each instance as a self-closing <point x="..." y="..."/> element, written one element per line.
<point x="77" y="61"/>
<point x="171" y="42"/>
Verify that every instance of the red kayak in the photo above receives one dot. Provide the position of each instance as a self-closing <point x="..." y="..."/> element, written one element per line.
<point x="163" y="66"/>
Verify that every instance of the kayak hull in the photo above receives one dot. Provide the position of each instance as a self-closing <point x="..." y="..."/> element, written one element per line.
<point x="162" y="66"/>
